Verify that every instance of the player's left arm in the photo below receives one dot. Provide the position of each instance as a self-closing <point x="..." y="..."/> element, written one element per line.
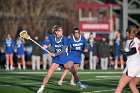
<point x="86" y="45"/>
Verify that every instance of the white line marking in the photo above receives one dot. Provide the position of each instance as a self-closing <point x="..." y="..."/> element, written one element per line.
<point x="15" y="76"/>
<point x="8" y="73"/>
<point x="21" y="84"/>
<point x="107" y="76"/>
<point x="103" y="91"/>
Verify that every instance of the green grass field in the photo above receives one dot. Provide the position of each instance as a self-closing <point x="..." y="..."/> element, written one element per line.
<point x="29" y="81"/>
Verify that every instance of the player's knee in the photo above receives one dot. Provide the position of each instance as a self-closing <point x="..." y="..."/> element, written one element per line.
<point x="132" y="84"/>
<point x="73" y="71"/>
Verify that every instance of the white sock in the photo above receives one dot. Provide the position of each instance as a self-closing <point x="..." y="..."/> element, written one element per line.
<point x="72" y="81"/>
<point x="42" y="86"/>
<point x="24" y="67"/>
<point x="19" y="67"/>
<point x="11" y="67"/>
<point x="7" y="67"/>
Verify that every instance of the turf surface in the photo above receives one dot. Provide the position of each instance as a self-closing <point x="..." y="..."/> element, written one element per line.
<point x="28" y="82"/>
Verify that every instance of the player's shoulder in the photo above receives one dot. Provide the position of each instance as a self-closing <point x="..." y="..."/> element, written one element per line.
<point x="71" y="38"/>
<point x="136" y="39"/>
<point x="12" y="38"/>
<point x="83" y="37"/>
<point x="133" y="42"/>
<point x="64" y="36"/>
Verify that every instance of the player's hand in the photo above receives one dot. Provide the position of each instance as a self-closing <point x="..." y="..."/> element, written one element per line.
<point x="45" y="46"/>
<point x="85" y="50"/>
<point x="52" y="55"/>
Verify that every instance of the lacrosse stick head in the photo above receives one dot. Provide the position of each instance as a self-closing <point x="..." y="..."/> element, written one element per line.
<point x="24" y="34"/>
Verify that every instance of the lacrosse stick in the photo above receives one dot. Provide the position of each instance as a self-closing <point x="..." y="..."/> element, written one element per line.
<point x="24" y="34"/>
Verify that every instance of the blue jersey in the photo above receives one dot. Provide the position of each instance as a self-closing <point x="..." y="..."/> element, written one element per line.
<point x="45" y="42"/>
<point x="76" y="48"/>
<point x="117" y="44"/>
<point x="63" y="58"/>
<point x="20" y="47"/>
<point x="9" y="43"/>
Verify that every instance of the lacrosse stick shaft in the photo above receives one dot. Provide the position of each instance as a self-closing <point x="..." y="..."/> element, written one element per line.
<point x="39" y="45"/>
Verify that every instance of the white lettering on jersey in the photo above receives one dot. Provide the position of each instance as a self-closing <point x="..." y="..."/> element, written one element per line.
<point x="79" y="44"/>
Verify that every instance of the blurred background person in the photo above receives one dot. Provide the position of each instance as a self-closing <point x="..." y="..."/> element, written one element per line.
<point x="112" y="56"/>
<point x="2" y="58"/>
<point x="82" y="62"/>
<point x="9" y="49"/>
<point x="36" y="52"/>
<point x="104" y="53"/>
<point x="20" y="52"/>
<point x="92" y="51"/>
<point x="118" y="44"/>
<point x="45" y="55"/>
<point x="28" y="52"/>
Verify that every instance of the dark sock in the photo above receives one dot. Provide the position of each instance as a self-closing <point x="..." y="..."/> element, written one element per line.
<point x="76" y="76"/>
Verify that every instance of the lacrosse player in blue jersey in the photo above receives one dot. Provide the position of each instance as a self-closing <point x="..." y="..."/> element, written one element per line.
<point x="77" y="44"/>
<point x="20" y="52"/>
<point x="9" y="49"/>
<point x="59" y="55"/>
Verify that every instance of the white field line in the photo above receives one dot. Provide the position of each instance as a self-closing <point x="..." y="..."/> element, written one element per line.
<point x="59" y="73"/>
<point x="5" y="85"/>
<point x="103" y="91"/>
<point x="15" y="76"/>
<point x="107" y="76"/>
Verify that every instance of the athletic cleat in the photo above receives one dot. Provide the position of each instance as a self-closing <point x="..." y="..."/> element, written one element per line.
<point x="83" y="86"/>
<point x="40" y="90"/>
<point x="60" y="83"/>
<point x="7" y="68"/>
<point x="72" y="83"/>
<point x="122" y="67"/>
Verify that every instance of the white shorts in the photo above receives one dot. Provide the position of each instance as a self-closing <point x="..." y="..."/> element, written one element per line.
<point x="132" y="71"/>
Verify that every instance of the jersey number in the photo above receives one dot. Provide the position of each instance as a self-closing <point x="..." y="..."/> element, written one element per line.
<point x="78" y="48"/>
<point x="58" y="50"/>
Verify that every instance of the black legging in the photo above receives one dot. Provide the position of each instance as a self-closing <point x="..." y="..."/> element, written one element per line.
<point x="73" y="71"/>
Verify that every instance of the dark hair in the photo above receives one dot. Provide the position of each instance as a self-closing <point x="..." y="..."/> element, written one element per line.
<point x="131" y="27"/>
<point x="56" y="27"/>
<point x="76" y="28"/>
